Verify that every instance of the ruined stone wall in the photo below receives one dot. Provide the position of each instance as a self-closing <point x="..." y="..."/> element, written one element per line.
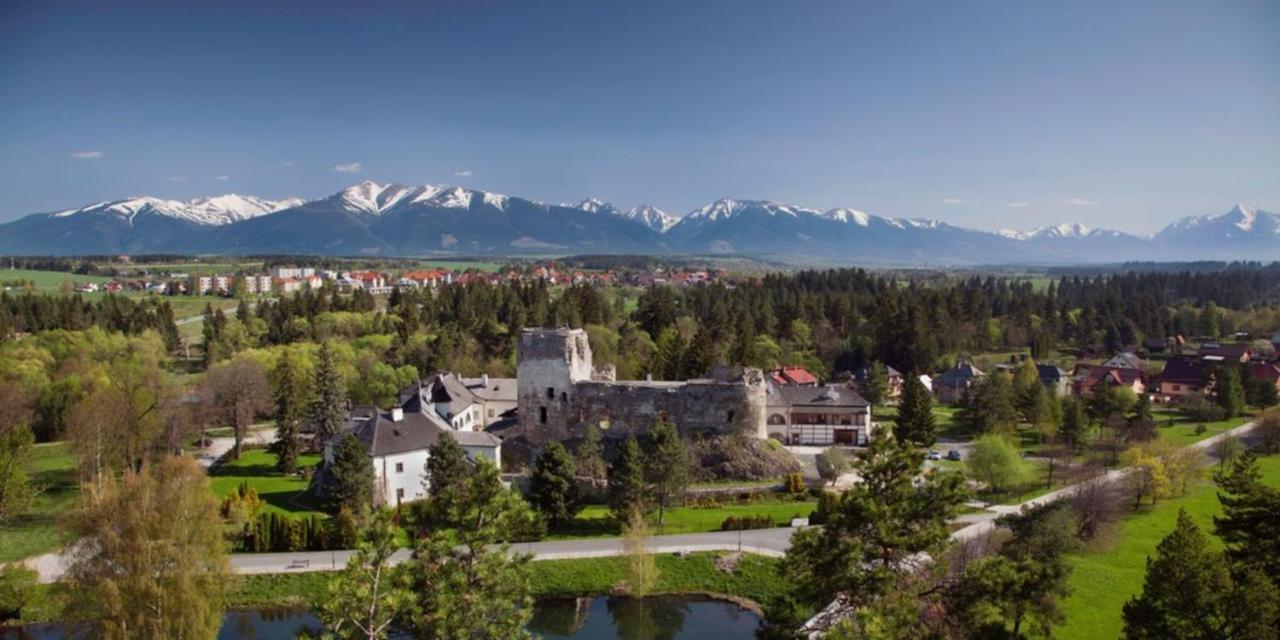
<point x="558" y="397"/>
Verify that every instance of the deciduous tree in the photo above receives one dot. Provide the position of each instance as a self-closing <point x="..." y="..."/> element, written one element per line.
<point x="366" y="599"/>
<point x="236" y="393"/>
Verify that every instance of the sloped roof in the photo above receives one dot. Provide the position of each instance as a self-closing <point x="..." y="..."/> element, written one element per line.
<point x="1183" y="371"/>
<point x="793" y="375"/>
<point x="959" y="374"/>
<point x="832" y="395"/>
<point x="414" y="432"/>
<point x="1126" y="360"/>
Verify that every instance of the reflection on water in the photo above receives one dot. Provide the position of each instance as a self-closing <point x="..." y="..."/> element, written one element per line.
<point x="656" y="618"/>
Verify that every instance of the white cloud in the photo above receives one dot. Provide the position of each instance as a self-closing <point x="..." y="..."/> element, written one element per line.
<point x="350" y="167"/>
<point x="952" y="201"/>
<point x="1079" y="202"/>
<point x="465" y="173"/>
<point x="86" y="155"/>
<point x="176" y="179"/>
<point x="1019" y="205"/>
<point x="222" y="178"/>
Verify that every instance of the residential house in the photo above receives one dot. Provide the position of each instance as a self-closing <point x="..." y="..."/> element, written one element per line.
<point x="950" y="385"/>
<point x="1155" y="345"/>
<point x="1054" y="378"/>
<point x="1126" y="360"/>
<point x="1268" y="371"/>
<point x="808" y="415"/>
<point x="1219" y="352"/>
<point x="793" y="376"/>
<point x="892" y="376"/>
<point x="289" y="285"/>
<point x="1094" y="378"/>
<point x="1182" y="378"/>
<point x="430" y="278"/>
<point x="469" y="404"/>
<point x="399" y="441"/>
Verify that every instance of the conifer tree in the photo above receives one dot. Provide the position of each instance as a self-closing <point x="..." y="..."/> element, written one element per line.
<point x="351" y="476"/>
<point x="915" y="422"/>
<point x="626" y="482"/>
<point x="666" y="467"/>
<point x="1250" y="521"/>
<point x="590" y="456"/>
<point x="290" y="409"/>
<point x="1074" y="422"/>
<point x="1230" y="392"/>
<point x="876" y="387"/>
<point x="328" y="412"/>
<point x="552" y="488"/>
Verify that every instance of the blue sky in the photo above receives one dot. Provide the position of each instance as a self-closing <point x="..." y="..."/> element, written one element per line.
<point x="986" y="114"/>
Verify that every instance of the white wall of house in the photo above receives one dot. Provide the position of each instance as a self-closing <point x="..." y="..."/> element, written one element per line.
<point x="400" y="475"/>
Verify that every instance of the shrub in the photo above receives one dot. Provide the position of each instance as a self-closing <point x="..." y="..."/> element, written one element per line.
<point x="743" y="523"/>
<point x="1200" y="409"/>
<point x="795" y="482"/>
<point x="826" y="504"/>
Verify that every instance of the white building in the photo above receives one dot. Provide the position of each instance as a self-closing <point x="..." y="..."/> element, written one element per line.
<point x="400" y="441"/>
<point x="257" y="284"/>
<point x="467" y="403"/>
<point x="296" y="273"/>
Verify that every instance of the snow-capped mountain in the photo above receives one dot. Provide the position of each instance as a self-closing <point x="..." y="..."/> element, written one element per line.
<point x="213" y="211"/>
<point x="372" y="218"/>
<point x="652" y="217"/>
<point x="1242" y="232"/>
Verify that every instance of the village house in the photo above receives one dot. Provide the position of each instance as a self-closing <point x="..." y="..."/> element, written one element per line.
<point x="1126" y="360"/>
<point x="950" y="385"/>
<point x="1182" y="378"/>
<point x="399" y="441"/>
<point x="430" y="278"/>
<point x="812" y="415"/>
<point x="793" y="376"/>
<point x="1091" y="379"/>
<point x="1218" y="352"/>
<point x="893" y="378"/>
<point x="467" y="403"/>
<point x="1054" y="378"/>
<point x="1267" y="371"/>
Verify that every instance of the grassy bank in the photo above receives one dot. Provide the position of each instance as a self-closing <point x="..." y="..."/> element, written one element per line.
<point x="1102" y="581"/>
<point x="596" y="521"/>
<point x="53" y="470"/>
<point x="754" y="578"/>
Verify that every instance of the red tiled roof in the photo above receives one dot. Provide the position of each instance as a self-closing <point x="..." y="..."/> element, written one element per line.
<point x="793" y="375"/>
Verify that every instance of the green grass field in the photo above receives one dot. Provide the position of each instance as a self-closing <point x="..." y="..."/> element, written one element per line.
<point x="461" y="265"/>
<point x="1183" y="431"/>
<point x="47" y="280"/>
<point x="595" y="521"/>
<point x="53" y="470"/>
<point x="1102" y="581"/>
<point x="282" y="494"/>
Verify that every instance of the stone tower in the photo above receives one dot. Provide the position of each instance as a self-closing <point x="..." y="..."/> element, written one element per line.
<point x="549" y="362"/>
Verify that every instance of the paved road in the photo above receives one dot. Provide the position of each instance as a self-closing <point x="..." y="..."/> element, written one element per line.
<point x="769" y="542"/>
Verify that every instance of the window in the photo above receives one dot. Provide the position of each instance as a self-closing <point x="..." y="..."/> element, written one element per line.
<point x="730" y="418"/>
<point x="399" y="494"/>
<point x="399" y="467"/>
<point x="542" y="415"/>
<point x="564" y="396"/>
<point x="491" y="413"/>
<point x="1177" y="387"/>
<point x="551" y="393"/>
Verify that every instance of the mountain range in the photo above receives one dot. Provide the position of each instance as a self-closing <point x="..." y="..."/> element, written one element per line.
<point x="371" y="218"/>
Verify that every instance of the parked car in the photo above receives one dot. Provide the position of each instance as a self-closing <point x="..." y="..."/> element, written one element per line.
<point x="934" y="455"/>
<point x="953" y="455"/>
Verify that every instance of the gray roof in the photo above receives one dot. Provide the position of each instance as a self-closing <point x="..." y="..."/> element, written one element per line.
<point x="502" y="389"/>
<point x="414" y="432"/>
<point x="959" y="374"/>
<point x="834" y="395"/>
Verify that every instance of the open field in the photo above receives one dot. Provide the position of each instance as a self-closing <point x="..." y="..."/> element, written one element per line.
<point x="462" y="265"/>
<point x="282" y="494"/>
<point x="1102" y="581"/>
<point x="595" y="520"/>
<point x="1183" y="431"/>
<point x="53" y="470"/>
<point x="46" y="280"/>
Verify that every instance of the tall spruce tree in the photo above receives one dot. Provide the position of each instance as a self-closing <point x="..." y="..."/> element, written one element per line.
<point x="291" y="406"/>
<point x="1230" y="392"/>
<point x="915" y="422"/>
<point x="589" y="459"/>
<point x="666" y="467"/>
<point x="350" y="476"/>
<point x="552" y="488"/>
<point x="876" y="386"/>
<point x="1250" y="521"/>
<point x="1075" y="424"/>
<point x="445" y="480"/>
<point x="328" y="412"/>
<point x="626" y="481"/>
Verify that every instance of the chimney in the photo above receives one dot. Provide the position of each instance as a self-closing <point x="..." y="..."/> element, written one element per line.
<point x="484" y="380"/>
<point x="397" y="414"/>
<point x="648" y="377"/>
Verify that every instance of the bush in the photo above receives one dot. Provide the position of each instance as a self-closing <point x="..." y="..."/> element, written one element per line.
<point x="18" y="589"/>
<point x="1200" y="409"/>
<point x="826" y="504"/>
<point x="743" y="523"/>
<point x="795" y="483"/>
<point x="275" y="532"/>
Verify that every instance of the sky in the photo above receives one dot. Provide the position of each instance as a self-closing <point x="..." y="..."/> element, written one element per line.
<point x="987" y="114"/>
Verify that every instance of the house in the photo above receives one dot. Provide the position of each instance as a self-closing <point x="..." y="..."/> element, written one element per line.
<point x="1218" y="352"/>
<point x="927" y="381"/>
<point x="1054" y="378"/>
<point x="289" y="285"/>
<point x="894" y="377"/>
<point x="297" y="273"/>
<point x="1182" y="378"/>
<point x="257" y="284"/>
<point x="1154" y="345"/>
<point x="1094" y="378"/>
<point x="1126" y="360"/>
<point x="806" y="415"/>
<point x="399" y="441"/>
<point x="793" y="376"/>
<point x="950" y="385"/>
<point x="430" y="278"/>
<point x="468" y="404"/>
<point x="1268" y="371"/>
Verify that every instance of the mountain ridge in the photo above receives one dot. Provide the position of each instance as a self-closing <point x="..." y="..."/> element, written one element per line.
<point x="373" y="218"/>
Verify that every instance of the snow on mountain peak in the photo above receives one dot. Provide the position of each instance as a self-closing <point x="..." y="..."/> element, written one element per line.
<point x="593" y="205"/>
<point x="1244" y="216"/>
<point x="651" y="217"/>
<point x="860" y="218"/>
<point x="215" y="210"/>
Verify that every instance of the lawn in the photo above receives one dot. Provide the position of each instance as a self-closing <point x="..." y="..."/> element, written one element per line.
<point x="1183" y="431"/>
<point x="53" y="469"/>
<point x="282" y="494"/>
<point x="755" y="577"/>
<point x="47" y="280"/>
<point x="1102" y="581"/>
<point x="595" y="520"/>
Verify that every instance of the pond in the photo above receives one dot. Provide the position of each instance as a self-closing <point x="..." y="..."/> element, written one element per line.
<point x="654" y="618"/>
